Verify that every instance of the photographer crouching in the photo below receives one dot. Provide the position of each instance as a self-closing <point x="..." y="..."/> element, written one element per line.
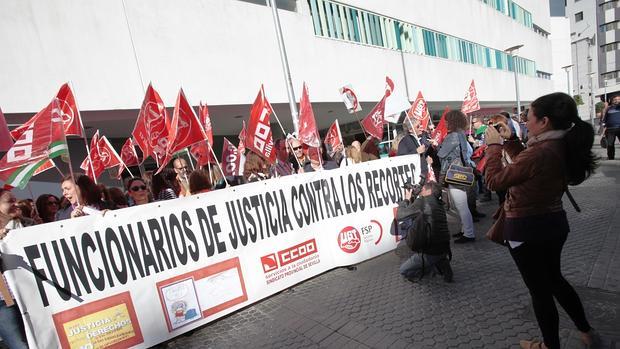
<point x="422" y="221"/>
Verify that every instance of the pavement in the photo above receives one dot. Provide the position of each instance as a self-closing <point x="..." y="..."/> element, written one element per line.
<point x="488" y="305"/>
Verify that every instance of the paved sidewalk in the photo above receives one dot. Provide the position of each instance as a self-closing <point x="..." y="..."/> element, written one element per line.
<point x="487" y="305"/>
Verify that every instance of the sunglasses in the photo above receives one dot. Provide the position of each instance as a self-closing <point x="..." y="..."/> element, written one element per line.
<point x="50" y="203"/>
<point x="297" y="148"/>
<point x="138" y="187"/>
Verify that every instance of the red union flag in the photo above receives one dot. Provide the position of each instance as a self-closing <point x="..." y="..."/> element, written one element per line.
<point x="128" y="153"/>
<point x="109" y="157"/>
<point x="259" y="138"/>
<point x="442" y="129"/>
<point x="373" y="123"/>
<point x="202" y="153"/>
<point x="5" y="136"/>
<point x="389" y="86"/>
<point x="419" y="111"/>
<point x="185" y="128"/>
<point x="152" y="126"/>
<point x="92" y="165"/>
<point x="333" y="139"/>
<point x="66" y="108"/>
<point x="470" y="102"/>
<point x="205" y="121"/>
<point x="350" y="99"/>
<point x="241" y="145"/>
<point x="29" y="152"/>
<point x="307" y="125"/>
<point x="230" y="159"/>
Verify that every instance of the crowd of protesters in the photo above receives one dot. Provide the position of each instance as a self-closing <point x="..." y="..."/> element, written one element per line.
<point x="466" y="142"/>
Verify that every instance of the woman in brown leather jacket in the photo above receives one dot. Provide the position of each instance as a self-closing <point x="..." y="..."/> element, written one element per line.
<point x="558" y="153"/>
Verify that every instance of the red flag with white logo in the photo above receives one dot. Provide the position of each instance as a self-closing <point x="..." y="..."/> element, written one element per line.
<point x="230" y="159"/>
<point x="241" y="145"/>
<point x="419" y="111"/>
<point x="152" y="127"/>
<point x="67" y="108"/>
<point x="30" y="151"/>
<point x="185" y="128"/>
<point x="259" y="138"/>
<point x="109" y="157"/>
<point x="350" y="99"/>
<point x="307" y="125"/>
<point x="202" y="153"/>
<point x="92" y="165"/>
<point x="333" y="139"/>
<point x="128" y="156"/>
<point x="442" y="129"/>
<point x="205" y="121"/>
<point x="373" y="123"/>
<point x="389" y="86"/>
<point x="128" y="153"/>
<point x="470" y="102"/>
<point x="5" y="136"/>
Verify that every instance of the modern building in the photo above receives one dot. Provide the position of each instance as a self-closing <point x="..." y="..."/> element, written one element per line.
<point x="595" y="36"/>
<point x="221" y="51"/>
<point x="561" y="47"/>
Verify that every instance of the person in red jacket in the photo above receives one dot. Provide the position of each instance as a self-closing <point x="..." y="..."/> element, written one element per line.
<point x="558" y="154"/>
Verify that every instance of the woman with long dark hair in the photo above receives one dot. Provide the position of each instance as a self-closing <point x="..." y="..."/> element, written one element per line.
<point x="164" y="185"/>
<point x="535" y="228"/>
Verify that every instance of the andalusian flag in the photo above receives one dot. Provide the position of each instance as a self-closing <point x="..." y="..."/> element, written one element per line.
<point x="44" y="139"/>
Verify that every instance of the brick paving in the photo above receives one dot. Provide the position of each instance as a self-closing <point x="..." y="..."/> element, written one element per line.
<point x="487" y="306"/>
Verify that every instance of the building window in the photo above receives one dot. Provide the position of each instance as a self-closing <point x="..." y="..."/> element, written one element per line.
<point x="608" y="5"/>
<point x="578" y="16"/>
<point x="611" y="47"/>
<point x="338" y="21"/>
<point x="610" y="26"/>
<point x="543" y="75"/>
<point x="611" y="75"/>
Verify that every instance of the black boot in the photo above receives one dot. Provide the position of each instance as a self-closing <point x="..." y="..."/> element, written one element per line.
<point x="443" y="266"/>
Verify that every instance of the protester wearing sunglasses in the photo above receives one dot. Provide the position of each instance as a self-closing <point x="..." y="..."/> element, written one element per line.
<point x="47" y="206"/>
<point x="137" y="191"/>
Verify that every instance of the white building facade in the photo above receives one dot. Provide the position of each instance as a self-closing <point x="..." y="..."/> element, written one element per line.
<point x="221" y="51"/>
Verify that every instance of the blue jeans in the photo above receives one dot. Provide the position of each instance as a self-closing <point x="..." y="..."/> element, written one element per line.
<point x="12" y="327"/>
<point x="412" y="267"/>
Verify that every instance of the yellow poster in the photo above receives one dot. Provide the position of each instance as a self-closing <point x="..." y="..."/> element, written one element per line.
<point x="101" y="329"/>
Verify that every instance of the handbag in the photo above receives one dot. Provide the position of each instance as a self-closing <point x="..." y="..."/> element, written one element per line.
<point x="604" y="138"/>
<point x="496" y="232"/>
<point x="460" y="175"/>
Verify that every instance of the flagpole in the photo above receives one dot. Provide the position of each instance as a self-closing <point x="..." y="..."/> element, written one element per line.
<point x="77" y="107"/>
<point x="140" y="163"/>
<point x="287" y="141"/>
<point x="344" y="153"/>
<point x="359" y="122"/>
<point x="68" y="152"/>
<point x="191" y="162"/>
<point x="285" y="67"/>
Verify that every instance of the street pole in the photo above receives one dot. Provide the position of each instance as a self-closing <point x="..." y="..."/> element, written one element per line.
<point x="514" y="66"/>
<point x="511" y="52"/>
<point x="568" y="89"/>
<point x="285" y="67"/>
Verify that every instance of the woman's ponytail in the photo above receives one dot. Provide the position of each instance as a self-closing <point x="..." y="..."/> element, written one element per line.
<point x="580" y="161"/>
<point x="561" y="110"/>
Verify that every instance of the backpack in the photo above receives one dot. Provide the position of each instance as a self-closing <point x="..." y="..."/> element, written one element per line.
<point x="416" y="227"/>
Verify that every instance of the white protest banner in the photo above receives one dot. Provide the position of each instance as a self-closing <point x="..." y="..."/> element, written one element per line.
<point x="142" y="275"/>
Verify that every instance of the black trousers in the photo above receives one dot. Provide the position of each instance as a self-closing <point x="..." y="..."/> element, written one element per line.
<point x="611" y="134"/>
<point x="539" y="265"/>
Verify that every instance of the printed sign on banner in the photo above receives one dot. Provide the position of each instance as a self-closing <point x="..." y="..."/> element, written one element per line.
<point x="145" y="274"/>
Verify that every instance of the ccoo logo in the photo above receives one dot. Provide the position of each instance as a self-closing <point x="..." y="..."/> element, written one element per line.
<point x="349" y="240"/>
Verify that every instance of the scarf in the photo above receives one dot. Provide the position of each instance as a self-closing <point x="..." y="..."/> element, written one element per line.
<point x="547" y="135"/>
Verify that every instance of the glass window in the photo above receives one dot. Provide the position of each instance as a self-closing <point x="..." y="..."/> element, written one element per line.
<point x="578" y="16"/>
